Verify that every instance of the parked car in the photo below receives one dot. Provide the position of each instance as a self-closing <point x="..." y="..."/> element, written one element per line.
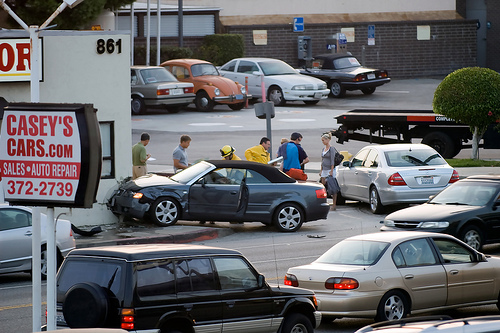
<point x="468" y="209"/>
<point x="155" y="87"/>
<point x="176" y="288"/>
<point x="15" y="240"/>
<point x="282" y="82"/>
<point x="394" y="173"/>
<point x="342" y="71"/>
<point x="389" y="275"/>
<point x="441" y="324"/>
<point x="223" y="190"/>
<point x="209" y="86"/>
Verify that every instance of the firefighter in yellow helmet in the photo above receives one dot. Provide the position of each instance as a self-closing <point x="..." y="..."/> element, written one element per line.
<point x="227" y="153"/>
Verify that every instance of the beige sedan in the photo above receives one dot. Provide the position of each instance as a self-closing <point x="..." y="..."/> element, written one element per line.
<point x="389" y="275"/>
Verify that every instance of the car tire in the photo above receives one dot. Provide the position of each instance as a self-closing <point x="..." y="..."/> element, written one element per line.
<point x="86" y="305"/>
<point x="275" y="95"/>
<point x="393" y="306"/>
<point x="368" y="91"/>
<point x="43" y="258"/>
<point x="472" y="236"/>
<point x="137" y="105"/>
<point x="336" y="89"/>
<point x="165" y="211"/>
<point x="237" y="106"/>
<point x="288" y="217"/>
<point x="375" y="205"/>
<point x="296" y="323"/>
<point x="311" y="102"/>
<point x="441" y="142"/>
<point x="203" y="102"/>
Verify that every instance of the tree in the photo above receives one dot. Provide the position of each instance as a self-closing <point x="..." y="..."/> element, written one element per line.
<point x="470" y="96"/>
<point x="35" y="12"/>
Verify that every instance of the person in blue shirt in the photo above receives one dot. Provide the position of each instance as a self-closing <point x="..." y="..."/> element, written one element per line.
<point x="294" y="156"/>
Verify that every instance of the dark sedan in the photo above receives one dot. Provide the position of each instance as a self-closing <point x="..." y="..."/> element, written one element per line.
<point x="342" y="72"/>
<point x="467" y="209"/>
<point x="231" y="191"/>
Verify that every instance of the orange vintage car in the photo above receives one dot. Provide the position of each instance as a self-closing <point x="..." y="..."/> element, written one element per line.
<point x="209" y="86"/>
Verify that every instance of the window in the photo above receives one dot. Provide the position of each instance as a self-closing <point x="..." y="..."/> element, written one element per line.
<point x="108" y="149"/>
<point x="247" y="67"/>
<point x="415" y="157"/>
<point x="416" y="252"/>
<point x="253" y="177"/>
<point x="372" y="159"/>
<point x="229" y="176"/>
<point x="453" y="252"/>
<point x="234" y="273"/>
<point x="180" y="72"/>
<point x="155" y="278"/>
<point x="359" y="158"/>
<point x="354" y="252"/>
<point x="194" y="275"/>
<point x="229" y="67"/>
<point x="14" y="219"/>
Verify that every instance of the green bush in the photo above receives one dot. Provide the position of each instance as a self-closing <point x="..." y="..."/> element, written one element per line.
<point x="220" y="48"/>
<point x="166" y="53"/>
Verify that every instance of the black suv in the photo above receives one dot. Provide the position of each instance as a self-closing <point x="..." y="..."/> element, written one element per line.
<point x="176" y="288"/>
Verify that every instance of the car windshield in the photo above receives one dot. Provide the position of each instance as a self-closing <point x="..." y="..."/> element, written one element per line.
<point x="354" y="252"/>
<point x="466" y="193"/>
<point x="204" y="69"/>
<point x="154" y="75"/>
<point x="413" y="157"/>
<point x="276" y="68"/>
<point x="194" y="171"/>
<point x="347" y="62"/>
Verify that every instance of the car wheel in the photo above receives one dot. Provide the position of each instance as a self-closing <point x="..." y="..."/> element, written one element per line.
<point x="203" y="102"/>
<point x="393" y="306"/>
<point x="288" y="217"/>
<point x="43" y="259"/>
<point x="86" y="305"/>
<point x="237" y="106"/>
<point x="472" y="236"/>
<point x="375" y="205"/>
<point x="296" y="323"/>
<point x="337" y="90"/>
<point x="441" y="142"/>
<point x="275" y="95"/>
<point x="165" y="212"/>
<point x="138" y="106"/>
<point x="368" y="91"/>
<point x="311" y="102"/>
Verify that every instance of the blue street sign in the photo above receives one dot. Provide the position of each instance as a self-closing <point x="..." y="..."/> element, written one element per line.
<point x="298" y="24"/>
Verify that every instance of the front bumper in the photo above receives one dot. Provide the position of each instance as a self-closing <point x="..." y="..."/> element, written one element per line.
<point x="230" y="99"/>
<point x="124" y="204"/>
<point x="306" y="95"/>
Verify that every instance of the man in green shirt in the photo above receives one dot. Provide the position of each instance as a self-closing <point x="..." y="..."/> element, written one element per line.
<point x="139" y="156"/>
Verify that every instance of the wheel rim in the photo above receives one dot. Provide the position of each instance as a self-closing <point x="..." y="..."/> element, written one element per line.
<point x="335" y="89"/>
<point x="289" y="218"/>
<point x="166" y="212"/>
<point x="373" y="200"/>
<point x="299" y="328"/>
<point x="136" y="106"/>
<point x="394" y="308"/>
<point x="473" y="239"/>
<point x="44" y="262"/>
<point x="276" y="96"/>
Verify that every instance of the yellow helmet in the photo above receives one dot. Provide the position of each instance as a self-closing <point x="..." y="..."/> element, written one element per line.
<point x="226" y="150"/>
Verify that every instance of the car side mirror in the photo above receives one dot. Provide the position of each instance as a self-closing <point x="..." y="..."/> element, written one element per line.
<point x="257" y="73"/>
<point x="481" y="257"/>
<point x="347" y="164"/>
<point x="495" y="205"/>
<point x="261" y="281"/>
<point x="202" y="182"/>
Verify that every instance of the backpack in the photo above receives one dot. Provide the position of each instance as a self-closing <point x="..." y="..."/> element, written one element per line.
<point x="338" y="158"/>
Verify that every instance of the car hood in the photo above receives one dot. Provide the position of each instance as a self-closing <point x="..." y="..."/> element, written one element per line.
<point x="223" y="83"/>
<point x="428" y="212"/>
<point x="147" y="181"/>
<point x="289" y="80"/>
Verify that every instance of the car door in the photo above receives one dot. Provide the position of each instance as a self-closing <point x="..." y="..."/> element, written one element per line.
<point x="15" y="239"/>
<point x="367" y="173"/>
<point x="216" y="195"/>
<point x="246" y="306"/>
<point x="422" y="273"/>
<point x="244" y="71"/>
<point x="351" y="186"/>
<point x="469" y="280"/>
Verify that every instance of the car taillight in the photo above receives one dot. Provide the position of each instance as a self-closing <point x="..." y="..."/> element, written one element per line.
<point x="359" y="77"/>
<point x="384" y="74"/>
<point x="341" y="283"/>
<point x="454" y="177"/>
<point x="189" y="90"/>
<point x="127" y="319"/>
<point x="161" y="92"/>
<point x="396" y="180"/>
<point x="291" y="280"/>
<point x="321" y="193"/>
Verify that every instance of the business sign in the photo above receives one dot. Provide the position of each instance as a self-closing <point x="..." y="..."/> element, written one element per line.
<point x="260" y="37"/>
<point x="298" y="24"/>
<point x="15" y="59"/>
<point x="50" y="154"/>
<point x="371" y="35"/>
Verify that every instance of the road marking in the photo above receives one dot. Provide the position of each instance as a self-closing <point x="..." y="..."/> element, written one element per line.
<point x="10" y="307"/>
<point x="394" y="91"/>
<point x="295" y="120"/>
<point x="207" y="124"/>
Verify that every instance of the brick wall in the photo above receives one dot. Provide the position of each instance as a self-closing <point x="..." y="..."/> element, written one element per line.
<point x="452" y="45"/>
<point x="492" y="43"/>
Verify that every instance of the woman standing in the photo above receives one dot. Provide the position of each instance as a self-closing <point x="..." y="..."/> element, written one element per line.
<point x="328" y="169"/>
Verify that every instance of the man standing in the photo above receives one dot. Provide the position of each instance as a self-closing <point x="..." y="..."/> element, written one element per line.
<point x="260" y="152"/>
<point x="180" y="155"/>
<point x="293" y="154"/>
<point x="139" y="156"/>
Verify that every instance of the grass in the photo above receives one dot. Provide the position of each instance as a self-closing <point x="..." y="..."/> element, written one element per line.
<point x="462" y="162"/>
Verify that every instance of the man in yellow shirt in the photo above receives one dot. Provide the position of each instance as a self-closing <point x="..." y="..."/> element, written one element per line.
<point x="260" y="152"/>
<point x="227" y="153"/>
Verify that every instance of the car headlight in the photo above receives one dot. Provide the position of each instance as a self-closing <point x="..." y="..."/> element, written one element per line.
<point x="216" y="91"/>
<point x="432" y="224"/>
<point x="322" y="86"/>
<point x="389" y="223"/>
<point x="303" y="87"/>
<point x="243" y="90"/>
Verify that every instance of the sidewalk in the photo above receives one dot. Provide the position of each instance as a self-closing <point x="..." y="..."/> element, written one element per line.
<point x="132" y="232"/>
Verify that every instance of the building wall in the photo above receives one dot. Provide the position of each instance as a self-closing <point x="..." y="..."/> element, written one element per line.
<point x="492" y="35"/>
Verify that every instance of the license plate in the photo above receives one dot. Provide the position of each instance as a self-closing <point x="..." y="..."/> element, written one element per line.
<point x="239" y="96"/>
<point x="370" y="76"/>
<point x="318" y="95"/>
<point x="427" y="180"/>
<point x="176" y="91"/>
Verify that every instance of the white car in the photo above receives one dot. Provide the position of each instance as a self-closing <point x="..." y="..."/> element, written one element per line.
<point x="15" y="240"/>
<point x="282" y="82"/>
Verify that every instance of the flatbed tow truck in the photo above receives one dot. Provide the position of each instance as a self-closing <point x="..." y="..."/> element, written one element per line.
<point x="397" y="126"/>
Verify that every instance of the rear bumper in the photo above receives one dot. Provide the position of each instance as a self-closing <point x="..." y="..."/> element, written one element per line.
<point x="365" y="84"/>
<point x="170" y="101"/>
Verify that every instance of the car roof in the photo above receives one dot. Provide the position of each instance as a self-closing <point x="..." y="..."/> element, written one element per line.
<point x="399" y="146"/>
<point x="150" y="251"/>
<point x="145" y="67"/>
<point x="396" y="236"/>
<point x="258" y="59"/>
<point x="273" y="174"/>
<point x="333" y="55"/>
<point x="186" y="61"/>
<point x="495" y="178"/>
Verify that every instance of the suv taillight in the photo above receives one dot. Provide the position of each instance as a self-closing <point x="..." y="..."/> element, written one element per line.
<point x="454" y="177"/>
<point x="127" y="319"/>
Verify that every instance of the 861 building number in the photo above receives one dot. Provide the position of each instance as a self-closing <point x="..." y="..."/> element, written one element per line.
<point x="110" y="46"/>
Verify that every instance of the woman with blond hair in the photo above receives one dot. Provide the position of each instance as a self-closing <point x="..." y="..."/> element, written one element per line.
<point x="328" y="172"/>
